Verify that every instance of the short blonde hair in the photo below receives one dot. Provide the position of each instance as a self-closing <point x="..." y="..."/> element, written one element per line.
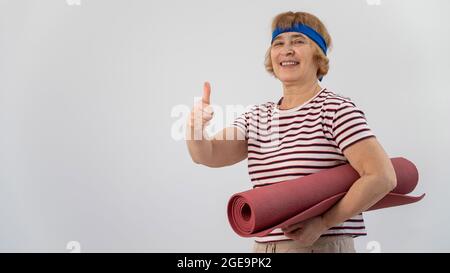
<point x="288" y="19"/>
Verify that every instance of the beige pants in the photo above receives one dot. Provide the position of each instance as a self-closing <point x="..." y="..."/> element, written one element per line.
<point x="326" y="244"/>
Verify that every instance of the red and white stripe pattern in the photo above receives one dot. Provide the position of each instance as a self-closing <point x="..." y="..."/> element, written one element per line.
<point x="287" y="144"/>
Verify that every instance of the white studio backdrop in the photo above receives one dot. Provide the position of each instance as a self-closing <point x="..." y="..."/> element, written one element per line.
<point x="90" y="93"/>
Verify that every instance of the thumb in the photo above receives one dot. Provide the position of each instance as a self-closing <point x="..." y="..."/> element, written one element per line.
<point x="293" y="227"/>
<point x="206" y="93"/>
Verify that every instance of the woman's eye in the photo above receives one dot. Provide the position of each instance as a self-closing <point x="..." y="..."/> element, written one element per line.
<point x="277" y="44"/>
<point x="298" y="42"/>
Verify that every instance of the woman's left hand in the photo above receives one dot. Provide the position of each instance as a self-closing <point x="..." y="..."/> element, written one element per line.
<point x="306" y="232"/>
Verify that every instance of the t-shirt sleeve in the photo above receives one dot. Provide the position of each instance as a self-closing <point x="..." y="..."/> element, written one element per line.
<point x="349" y="125"/>
<point x="241" y="123"/>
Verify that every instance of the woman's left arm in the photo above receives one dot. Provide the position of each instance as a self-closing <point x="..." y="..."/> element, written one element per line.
<point x="377" y="178"/>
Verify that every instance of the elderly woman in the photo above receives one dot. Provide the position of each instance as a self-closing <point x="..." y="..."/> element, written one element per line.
<point x="309" y="129"/>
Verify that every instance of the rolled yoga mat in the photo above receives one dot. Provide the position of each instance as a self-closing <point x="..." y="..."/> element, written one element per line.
<point x="256" y="212"/>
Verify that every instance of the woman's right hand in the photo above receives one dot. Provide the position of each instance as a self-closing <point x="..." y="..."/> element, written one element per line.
<point x="202" y="112"/>
<point x="216" y="151"/>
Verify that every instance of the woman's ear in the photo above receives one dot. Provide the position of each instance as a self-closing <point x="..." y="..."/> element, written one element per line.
<point x="318" y="62"/>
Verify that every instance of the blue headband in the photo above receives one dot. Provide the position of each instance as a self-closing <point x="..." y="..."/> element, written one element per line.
<point x="311" y="33"/>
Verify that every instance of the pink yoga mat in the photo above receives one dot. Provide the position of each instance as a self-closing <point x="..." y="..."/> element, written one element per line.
<point x="256" y="212"/>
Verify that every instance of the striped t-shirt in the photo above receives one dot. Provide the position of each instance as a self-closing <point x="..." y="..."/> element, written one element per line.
<point x="287" y="144"/>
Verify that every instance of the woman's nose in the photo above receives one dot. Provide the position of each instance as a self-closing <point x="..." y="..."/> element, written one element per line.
<point x="288" y="50"/>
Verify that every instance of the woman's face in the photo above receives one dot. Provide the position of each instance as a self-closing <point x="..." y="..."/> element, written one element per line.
<point x="292" y="58"/>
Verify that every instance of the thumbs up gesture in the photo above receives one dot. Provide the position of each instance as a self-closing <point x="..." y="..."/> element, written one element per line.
<point x="202" y="112"/>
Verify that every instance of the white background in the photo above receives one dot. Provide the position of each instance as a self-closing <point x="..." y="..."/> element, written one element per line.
<point x="86" y="99"/>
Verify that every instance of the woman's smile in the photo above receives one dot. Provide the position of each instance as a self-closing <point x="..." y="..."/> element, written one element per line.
<point x="289" y="63"/>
